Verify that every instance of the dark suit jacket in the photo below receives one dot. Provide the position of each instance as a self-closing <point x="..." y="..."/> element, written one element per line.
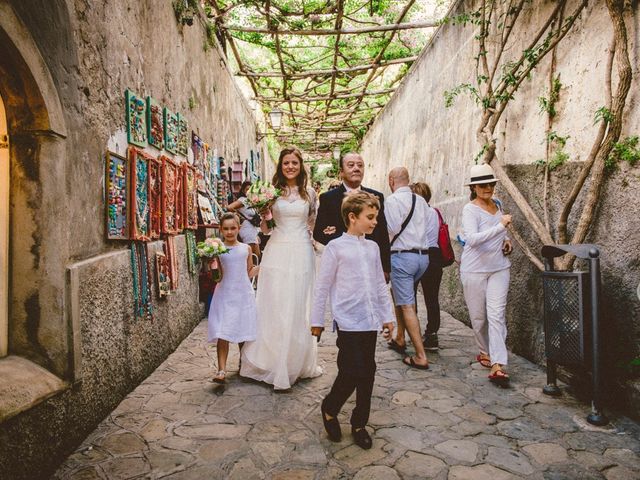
<point x="329" y="215"/>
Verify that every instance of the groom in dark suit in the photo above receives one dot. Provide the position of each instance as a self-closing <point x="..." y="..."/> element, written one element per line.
<point x="329" y="224"/>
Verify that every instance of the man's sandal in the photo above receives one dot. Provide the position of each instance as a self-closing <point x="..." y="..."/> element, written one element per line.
<point x="484" y="360"/>
<point x="221" y="377"/>
<point x="396" y="347"/>
<point x="499" y="377"/>
<point x="410" y="362"/>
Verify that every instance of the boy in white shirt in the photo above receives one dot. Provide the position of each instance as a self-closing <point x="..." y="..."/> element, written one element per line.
<point x="351" y="276"/>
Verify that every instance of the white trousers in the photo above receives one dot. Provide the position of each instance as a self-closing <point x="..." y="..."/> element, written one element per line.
<point x="486" y="297"/>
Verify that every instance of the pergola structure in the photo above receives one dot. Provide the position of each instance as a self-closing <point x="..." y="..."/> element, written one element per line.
<point x="328" y="65"/>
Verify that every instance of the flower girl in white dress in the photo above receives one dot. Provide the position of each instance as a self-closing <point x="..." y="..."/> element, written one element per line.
<point x="232" y="314"/>
<point x="284" y="350"/>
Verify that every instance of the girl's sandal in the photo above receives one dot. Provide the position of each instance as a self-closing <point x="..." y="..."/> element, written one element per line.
<point x="484" y="360"/>
<point x="220" y="377"/>
<point x="498" y="376"/>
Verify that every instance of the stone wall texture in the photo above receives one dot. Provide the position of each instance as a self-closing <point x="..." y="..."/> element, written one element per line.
<point x="93" y="51"/>
<point x="438" y="145"/>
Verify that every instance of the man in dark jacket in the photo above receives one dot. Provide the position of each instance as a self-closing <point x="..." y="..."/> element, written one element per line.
<point x="329" y="223"/>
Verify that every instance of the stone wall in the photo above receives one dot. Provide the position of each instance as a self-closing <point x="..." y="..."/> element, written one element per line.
<point x="73" y="311"/>
<point x="439" y="144"/>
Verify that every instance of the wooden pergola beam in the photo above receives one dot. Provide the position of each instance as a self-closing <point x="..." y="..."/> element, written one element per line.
<point x="342" y="31"/>
<point x="319" y="99"/>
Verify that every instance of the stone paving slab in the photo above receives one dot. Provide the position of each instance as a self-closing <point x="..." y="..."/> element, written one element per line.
<point x="445" y="423"/>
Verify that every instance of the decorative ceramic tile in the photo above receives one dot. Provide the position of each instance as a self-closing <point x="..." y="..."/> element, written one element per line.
<point x="117" y="200"/>
<point x="136" y="112"/>
<point x="155" y="124"/>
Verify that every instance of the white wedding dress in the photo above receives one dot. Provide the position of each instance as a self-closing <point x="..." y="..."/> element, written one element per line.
<point x="284" y="350"/>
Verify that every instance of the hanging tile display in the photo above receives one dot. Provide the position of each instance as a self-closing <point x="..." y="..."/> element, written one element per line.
<point x="172" y="260"/>
<point x="139" y="194"/>
<point x="190" y="195"/>
<point x="136" y="112"/>
<point x="180" y="206"/>
<point x="183" y="135"/>
<point x="141" y="281"/>
<point x="170" y="131"/>
<point x="155" y="198"/>
<point x="163" y="278"/>
<point x="170" y="182"/>
<point x="155" y="124"/>
<point x="209" y="173"/>
<point x="199" y="149"/>
<point x="207" y="215"/>
<point x="117" y="200"/>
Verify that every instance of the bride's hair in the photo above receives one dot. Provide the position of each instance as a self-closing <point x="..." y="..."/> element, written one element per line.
<point x="280" y="181"/>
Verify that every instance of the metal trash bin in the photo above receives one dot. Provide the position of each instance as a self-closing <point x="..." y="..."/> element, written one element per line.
<point x="571" y="316"/>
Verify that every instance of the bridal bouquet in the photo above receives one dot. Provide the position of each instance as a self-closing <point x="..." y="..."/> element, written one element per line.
<point x="211" y="248"/>
<point x="260" y="195"/>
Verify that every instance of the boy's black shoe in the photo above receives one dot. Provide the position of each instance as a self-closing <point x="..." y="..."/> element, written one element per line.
<point x="430" y="342"/>
<point x="331" y="426"/>
<point x="362" y="438"/>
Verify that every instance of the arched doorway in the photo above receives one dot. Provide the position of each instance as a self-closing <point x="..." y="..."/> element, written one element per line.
<point x="33" y="322"/>
<point x="4" y="231"/>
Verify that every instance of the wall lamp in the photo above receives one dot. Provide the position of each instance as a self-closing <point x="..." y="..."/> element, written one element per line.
<point x="275" y="117"/>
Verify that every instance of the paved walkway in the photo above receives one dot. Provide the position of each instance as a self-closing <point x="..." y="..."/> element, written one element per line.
<point x="445" y="423"/>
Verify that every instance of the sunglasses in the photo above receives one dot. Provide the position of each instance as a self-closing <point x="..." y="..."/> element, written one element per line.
<point x="486" y="185"/>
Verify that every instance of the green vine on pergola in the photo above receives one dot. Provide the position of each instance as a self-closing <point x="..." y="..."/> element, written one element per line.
<point x="328" y="65"/>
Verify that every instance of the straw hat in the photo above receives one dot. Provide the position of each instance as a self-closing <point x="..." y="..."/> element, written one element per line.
<point x="481" y="174"/>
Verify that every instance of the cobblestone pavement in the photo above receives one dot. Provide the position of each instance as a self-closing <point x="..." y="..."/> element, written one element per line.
<point x="445" y="423"/>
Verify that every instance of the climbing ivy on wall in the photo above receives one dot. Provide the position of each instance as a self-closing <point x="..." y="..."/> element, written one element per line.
<point x="499" y="74"/>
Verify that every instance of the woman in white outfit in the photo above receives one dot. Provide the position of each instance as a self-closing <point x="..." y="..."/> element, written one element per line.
<point x="484" y="270"/>
<point x="284" y="350"/>
<point x="250" y="219"/>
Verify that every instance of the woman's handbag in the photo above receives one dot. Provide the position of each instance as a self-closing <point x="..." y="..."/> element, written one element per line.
<point x="444" y="242"/>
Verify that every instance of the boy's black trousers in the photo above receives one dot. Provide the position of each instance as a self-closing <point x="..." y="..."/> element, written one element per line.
<point x="356" y="371"/>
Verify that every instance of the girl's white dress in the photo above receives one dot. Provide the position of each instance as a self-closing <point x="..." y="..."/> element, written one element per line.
<point x="232" y="314"/>
<point x="284" y="350"/>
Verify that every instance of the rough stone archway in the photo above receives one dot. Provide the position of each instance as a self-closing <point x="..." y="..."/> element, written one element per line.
<point x="38" y="328"/>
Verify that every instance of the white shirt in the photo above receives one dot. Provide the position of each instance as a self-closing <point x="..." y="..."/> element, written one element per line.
<point x="483" y="235"/>
<point x="419" y="233"/>
<point x="349" y="189"/>
<point x="351" y="276"/>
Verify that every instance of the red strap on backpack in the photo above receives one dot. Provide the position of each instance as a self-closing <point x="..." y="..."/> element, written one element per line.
<point x="444" y="242"/>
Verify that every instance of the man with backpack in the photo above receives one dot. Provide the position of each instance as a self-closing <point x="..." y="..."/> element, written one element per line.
<point x="413" y="229"/>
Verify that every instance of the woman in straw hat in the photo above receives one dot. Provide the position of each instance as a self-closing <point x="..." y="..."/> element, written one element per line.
<point x="484" y="270"/>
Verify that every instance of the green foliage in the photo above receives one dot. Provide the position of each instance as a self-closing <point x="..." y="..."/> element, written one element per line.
<point x="185" y="11"/>
<point x="211" y="34"/>
<point x="450" y="95"/>
<point x="548" y="105"/>
<point x="192" y="102"/>
<point x="480" y="154"/>
<point x="559" y="156"/>
<point x="627" y="150"/>
<point x="603" y="114"/>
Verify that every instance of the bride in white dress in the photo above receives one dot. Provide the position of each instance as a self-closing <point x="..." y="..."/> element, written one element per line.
<point x="284" y="350"/>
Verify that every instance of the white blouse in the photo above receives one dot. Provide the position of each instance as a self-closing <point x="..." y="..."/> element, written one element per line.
<point x="351" y="276"/>
<point x="484" y="235"/>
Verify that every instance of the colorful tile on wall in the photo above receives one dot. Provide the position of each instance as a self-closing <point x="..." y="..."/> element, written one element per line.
<point x="183" y="135"/>
<point x="155" y="198"/>
<point x="117" y="201"/>
<point x="136" y="112"/>
<point x="140" y="217"/>
<point x="155" y="124"/>
<point x="170" y="131"/>
<point x="170" y="180"/>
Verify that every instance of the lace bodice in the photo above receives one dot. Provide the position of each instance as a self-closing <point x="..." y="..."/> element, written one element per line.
<point x="294" y="216"/>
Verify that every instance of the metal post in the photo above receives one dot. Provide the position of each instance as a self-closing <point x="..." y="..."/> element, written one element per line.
<point x="596" y="417"/>
<point x="551" y="388"/>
